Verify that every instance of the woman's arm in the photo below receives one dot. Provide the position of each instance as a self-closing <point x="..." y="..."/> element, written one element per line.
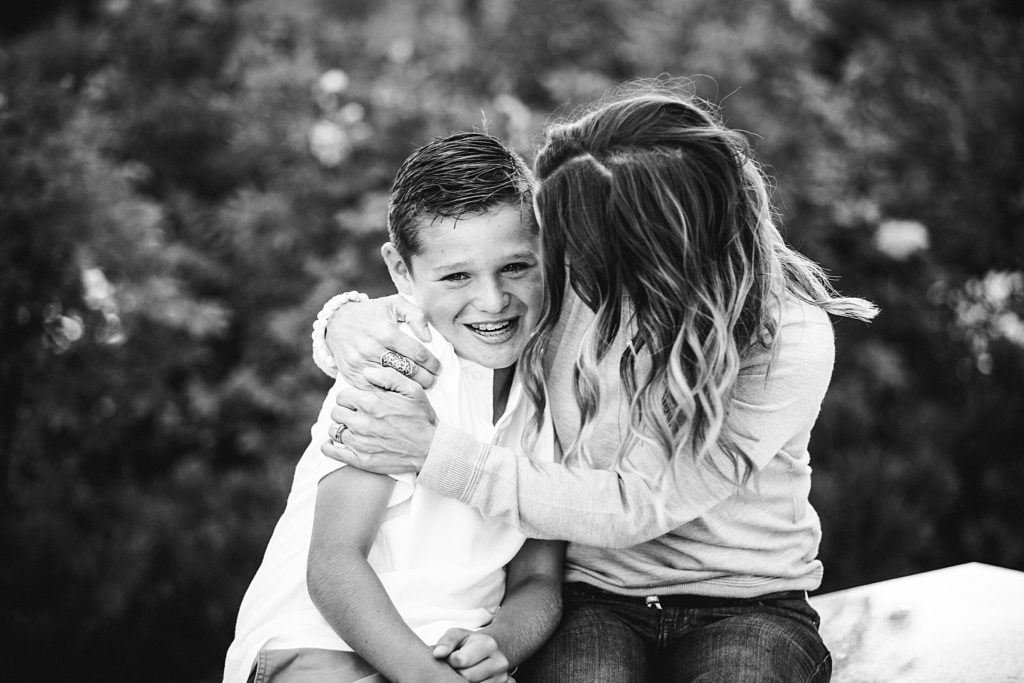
<point x="644" y="498"/>
<point x="350" y="505"/>
<point x="607" y="508"/>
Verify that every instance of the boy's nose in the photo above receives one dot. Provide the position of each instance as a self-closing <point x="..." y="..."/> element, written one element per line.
<point x="491" y="299"/>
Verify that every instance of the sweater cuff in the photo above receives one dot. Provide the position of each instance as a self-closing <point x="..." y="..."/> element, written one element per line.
<point x="454" y="463"/>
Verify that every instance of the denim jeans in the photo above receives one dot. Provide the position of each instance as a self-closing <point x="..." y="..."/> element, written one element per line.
<point x="609" y="638"/>
<point x="311" y="665"/>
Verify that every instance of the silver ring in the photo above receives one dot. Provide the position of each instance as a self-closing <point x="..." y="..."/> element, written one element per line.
<point x="336" y="431"/>
<point x="397" y="361"/>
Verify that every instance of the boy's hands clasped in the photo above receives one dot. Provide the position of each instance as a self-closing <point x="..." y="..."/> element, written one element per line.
<point x="474" y="655"/>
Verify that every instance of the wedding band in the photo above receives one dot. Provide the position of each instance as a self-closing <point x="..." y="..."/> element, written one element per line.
<point x="397" y="361"/>
<point x="336" y="431"/>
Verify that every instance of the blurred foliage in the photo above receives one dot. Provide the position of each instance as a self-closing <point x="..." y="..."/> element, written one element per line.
<point x="183" y="183"/>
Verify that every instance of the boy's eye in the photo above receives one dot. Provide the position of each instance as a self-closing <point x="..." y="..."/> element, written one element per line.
<point x="455" y="277"/>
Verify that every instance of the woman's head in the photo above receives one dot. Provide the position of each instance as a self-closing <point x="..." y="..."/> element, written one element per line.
<point x="464" y="244"/>
<point x="650" y="197"/>
<point x="648" y="201"/>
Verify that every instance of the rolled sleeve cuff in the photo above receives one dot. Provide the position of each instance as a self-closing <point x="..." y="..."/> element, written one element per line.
<point x="454" y="464"/>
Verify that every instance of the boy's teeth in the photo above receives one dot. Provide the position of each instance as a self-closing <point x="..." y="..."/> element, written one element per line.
<point x="490" y="327"/>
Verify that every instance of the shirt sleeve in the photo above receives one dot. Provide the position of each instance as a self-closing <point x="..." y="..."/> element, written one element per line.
<point x="324" y="465"/>
<point x="644" y="497"/>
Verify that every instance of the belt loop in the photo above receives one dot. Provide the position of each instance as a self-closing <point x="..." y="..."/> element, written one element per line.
<point x="652" y="601"/>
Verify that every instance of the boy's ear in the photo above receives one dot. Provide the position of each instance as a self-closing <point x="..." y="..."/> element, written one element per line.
<point x="400" y="274"/>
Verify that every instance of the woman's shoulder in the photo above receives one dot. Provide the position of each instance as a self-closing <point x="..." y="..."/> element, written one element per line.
<point x="803" y="342"/>
<point x="809" y="320"/>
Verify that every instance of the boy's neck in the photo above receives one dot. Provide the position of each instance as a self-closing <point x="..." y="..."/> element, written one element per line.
<point x="502" y="383"/>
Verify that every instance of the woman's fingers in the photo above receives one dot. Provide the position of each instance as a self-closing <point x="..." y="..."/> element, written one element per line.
<point x="424" y="365"/>
<point x="369" y="352"/>
<point x="411" y="314"/>
<point x="345" y="415"/>
<point x="390" y="430"/>
<point x="359" y="333"/>
<point x="337" y="451"/>
<point x="390" y="379"/>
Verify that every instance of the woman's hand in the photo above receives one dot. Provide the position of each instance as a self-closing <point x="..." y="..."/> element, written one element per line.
<point x="359" y="333"/>
<point x="388" y="428"/>
<point x="474" y="654"/>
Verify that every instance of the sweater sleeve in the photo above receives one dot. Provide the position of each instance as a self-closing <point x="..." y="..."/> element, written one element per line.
<point x="644" y="497"/>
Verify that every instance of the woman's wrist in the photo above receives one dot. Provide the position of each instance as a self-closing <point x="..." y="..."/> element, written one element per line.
<point x="322" y="355"/>
<point x="448" y="467"/>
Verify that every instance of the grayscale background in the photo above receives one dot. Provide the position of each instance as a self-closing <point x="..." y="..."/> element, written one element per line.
<point x="183" y="184"/>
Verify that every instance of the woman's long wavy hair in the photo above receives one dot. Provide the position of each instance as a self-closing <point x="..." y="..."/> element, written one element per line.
<point x="658" y="217"/>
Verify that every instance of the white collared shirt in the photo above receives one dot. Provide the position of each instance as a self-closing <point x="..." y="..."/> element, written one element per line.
<point x="441" y="562"/>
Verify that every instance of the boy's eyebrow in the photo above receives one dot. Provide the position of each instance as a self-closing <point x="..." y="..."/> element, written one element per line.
<point x="460" y="265"/>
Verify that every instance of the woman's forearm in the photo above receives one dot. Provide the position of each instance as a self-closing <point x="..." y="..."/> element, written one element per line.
<point x="606" y="508"/>
<point x="649" y="494"/>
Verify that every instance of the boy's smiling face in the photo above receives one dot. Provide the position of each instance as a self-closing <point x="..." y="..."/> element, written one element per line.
<point x="478" y="280"/>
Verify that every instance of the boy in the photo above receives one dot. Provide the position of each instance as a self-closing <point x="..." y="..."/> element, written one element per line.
<point x="365" y="572"/>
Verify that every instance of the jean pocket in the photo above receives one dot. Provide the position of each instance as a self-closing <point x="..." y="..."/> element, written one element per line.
<point x="798" y="608"/>
<point x="259" y="668"/>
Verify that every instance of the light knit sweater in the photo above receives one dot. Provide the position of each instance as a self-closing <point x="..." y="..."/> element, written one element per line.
<point x="645" y="528"/>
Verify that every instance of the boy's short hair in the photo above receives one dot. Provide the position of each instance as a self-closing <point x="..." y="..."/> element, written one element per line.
<point x="462" y="174"/>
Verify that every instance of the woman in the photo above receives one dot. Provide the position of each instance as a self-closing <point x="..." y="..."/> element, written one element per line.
<point x="686" y="351"/>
